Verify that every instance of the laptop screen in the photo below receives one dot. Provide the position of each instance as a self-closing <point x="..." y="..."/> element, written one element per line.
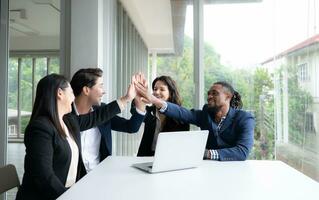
<point x="179" y="150"/>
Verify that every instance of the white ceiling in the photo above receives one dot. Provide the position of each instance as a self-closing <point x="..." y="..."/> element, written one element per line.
<point x="153" y="19"/>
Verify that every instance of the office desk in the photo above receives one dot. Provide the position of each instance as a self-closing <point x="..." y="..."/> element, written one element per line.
<point x="115" y="179"/>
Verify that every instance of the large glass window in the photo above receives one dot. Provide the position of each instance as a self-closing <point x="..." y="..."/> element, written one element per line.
<point x="34" y="48"/>
<point x="24" y="74"/>
<point x="272" y="63"/>
<point x="180" y="65"/>
<point x="270" y="55"/>
<point x="238" y="37"/>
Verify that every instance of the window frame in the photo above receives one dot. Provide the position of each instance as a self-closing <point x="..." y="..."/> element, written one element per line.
<point x="34" y="55"/>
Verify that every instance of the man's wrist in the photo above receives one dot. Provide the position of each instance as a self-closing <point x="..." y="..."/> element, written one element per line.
<point x="207" y="154"/>
<point x="126" y="99"/>
<point x="122" y="102"/>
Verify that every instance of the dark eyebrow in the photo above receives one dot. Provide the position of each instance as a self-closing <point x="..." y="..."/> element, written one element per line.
<point x="212" y="90"/>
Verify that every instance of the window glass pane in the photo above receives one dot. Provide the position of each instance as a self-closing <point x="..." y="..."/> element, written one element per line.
<point x="34" y="35"/>
<point x="40" y="69"/>
<point x="180" y="65"/>
<point x="13" y="98"/>
<point x="274" y="65"/>
<point x="54" y="65"/>
<point x="26" y="92"/>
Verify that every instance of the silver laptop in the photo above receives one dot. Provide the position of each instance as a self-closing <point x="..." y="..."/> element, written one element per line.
<point x="176" y="150"/>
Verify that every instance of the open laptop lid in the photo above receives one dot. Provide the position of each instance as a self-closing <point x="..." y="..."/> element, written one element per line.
<point x="179" y="150"/>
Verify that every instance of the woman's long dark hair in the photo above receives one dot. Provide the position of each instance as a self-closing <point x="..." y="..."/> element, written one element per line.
<point x="174" y="96"/>
<point x="235" y="101"/>
<point x="45" y="103"/>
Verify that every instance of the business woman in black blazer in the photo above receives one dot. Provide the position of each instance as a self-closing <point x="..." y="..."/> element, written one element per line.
<point x="164" y="87"/>
<point x="53" y="159"/>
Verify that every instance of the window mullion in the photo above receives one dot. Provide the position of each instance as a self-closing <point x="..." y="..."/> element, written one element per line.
<point x="19" y="98"/>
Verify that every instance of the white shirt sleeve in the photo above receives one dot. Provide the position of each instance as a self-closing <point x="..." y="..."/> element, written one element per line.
<point x="164" y="107"/>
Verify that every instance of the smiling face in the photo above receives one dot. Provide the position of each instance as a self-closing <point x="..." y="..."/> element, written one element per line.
<point x="161" y="91"/>
<point x="96" y="92"/>
<point x="218" y="97"/>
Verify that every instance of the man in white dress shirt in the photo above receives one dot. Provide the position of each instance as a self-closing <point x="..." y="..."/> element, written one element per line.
<point x="87" y="85"/>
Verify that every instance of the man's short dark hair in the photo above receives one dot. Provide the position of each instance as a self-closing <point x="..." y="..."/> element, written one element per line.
<point x="85" y="77"/>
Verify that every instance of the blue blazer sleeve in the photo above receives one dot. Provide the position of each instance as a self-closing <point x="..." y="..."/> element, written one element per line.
<point x="131" y="125"/>
<point x="182" y="114"/>
<point x="244" y="142"/>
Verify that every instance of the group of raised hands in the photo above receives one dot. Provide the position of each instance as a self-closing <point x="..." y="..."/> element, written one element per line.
<point x="138" y="90"/>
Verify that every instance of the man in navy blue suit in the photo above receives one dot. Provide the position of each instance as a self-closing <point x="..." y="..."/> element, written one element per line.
<point x="231" y="130"/>
<point x="87" y="85"/>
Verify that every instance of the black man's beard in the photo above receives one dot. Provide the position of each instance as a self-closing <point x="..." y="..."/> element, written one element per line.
<point x="213" y="110"/>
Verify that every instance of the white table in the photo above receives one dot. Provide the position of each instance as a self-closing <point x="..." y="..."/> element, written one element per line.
<point x="115" y="179"/>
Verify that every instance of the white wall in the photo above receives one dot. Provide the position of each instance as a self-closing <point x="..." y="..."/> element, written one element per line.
<point x="85" y="21"/>
<point x="93" y="40"/>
